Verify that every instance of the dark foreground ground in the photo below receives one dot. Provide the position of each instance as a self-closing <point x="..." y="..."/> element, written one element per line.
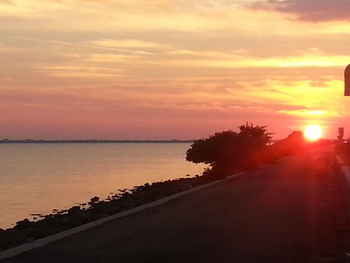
<point x="293" y="211"/>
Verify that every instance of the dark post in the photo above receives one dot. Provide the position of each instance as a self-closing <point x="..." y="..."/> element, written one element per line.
<point x="347" y="81"/>
<point x="341" y="133"/>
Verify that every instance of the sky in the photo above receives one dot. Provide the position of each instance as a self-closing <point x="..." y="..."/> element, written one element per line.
<point x="171" y="69"/>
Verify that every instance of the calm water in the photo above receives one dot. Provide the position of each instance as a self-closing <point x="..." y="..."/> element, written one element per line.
<point x="36" y="178"/>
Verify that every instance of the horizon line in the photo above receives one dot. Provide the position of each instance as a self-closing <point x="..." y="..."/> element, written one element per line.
<point x="91" y="140"/>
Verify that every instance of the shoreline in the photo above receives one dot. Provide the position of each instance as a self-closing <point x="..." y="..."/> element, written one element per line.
<point x="14" y="251"/>
<point x="39" y="177"/>
<point x="26" y="230"/>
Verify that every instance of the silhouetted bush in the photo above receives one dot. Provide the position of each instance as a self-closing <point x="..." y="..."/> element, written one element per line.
<point x="294" y="143"/>
<point x="228" y="151"/>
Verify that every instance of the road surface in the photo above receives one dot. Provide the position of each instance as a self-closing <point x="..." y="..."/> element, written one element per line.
<point x="293" y="211"/>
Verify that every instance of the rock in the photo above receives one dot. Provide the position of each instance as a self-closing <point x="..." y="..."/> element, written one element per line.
<point x="73" y="210"/>
<point x="94" y="200"/>
<point x="23" y="224"/>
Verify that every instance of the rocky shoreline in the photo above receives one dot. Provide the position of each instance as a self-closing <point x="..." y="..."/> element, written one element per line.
<point x="29" y="230"/>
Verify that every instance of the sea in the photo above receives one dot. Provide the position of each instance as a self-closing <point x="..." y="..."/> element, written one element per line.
<point x="36" y="178"/>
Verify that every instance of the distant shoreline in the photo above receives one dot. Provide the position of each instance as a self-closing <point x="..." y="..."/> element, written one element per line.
<point x="6" y="141"/>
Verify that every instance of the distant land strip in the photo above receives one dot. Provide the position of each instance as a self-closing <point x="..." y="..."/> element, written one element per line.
<point x="94" y="141"/>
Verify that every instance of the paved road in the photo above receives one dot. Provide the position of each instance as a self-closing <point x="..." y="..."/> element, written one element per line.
<point x="293" y="211"/>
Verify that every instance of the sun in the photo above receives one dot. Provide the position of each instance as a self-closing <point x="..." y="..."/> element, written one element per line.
<point x="313" y="132"/>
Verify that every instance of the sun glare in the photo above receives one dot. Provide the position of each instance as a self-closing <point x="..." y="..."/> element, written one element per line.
<point x="313" y="132"/>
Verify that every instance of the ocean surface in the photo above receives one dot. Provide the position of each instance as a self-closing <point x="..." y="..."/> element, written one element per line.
<point x="37" y="178"/>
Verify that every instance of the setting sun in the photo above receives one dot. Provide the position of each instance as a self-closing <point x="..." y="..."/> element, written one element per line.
<point x="313" y="132"/>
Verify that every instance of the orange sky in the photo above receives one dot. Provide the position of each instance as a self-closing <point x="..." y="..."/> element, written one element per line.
<point x="163" y="69"/>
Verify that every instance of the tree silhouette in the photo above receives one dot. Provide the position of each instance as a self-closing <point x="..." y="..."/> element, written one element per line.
<point x="294" y="143"/>
<point x="227" y="151"/>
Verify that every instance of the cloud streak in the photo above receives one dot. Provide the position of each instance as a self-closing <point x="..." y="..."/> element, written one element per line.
<point x="309" y="10"/>
<point x="194" y="66"/>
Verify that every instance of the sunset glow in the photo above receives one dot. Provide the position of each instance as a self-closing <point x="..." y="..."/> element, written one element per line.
<point x="170" y="69"/>
<point x="313" y="132"/>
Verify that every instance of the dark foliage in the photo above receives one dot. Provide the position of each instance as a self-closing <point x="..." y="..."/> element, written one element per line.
<point x="295" y="142"/>
<point x="229" y="150"/>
